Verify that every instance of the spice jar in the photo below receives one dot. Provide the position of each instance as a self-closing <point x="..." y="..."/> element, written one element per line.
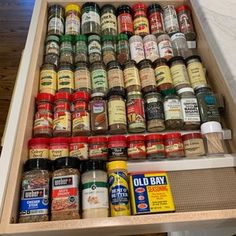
<point x="155" y="16"/>
<point x="90" y="21"/>
<point x="125" y="21"/>
<point x="73" y="13"/>
<point x="99" y="119"/>
<point x="82" y="77"/>
<point x="59" y="147"/>
<point x="52" y="50"/>
<point x="122" y="49"/>
<point x="81" y="49"/>
<point x="155" y="147"/>
<point x="65" y="204"/>
<point x="34" y="202"/>
<point x="56" y="15"/>
<point x="131" y="77"/>
<point x="117" y="115"/>
<point x="173" y="145"/>
<point x="94" y="49"/>
<point x="62" y="115"/>
<point x="147" y="76"/>
<point x="118" y="188"/>
<point x="108" y="49"/>
<point x="81" y="114"/>
<point x="66" y="50"/>
<point x="173" y="112"/>
<point x="136" y="48"/>
<point x="48" y="79"/>
<point x="99" y="78"/>
<point x="170" y="19"/>
<point x="213" y="138"/>
<point x="98" y="148"/>
<point x="108" y="20"/>
<point x="185" y="22"/>
<point x="179" y="73"/>
<point x="43" y="116"/>
<point x="95" y="201"/>
<point x="117" y="148"/>
<point x="38" y="148"/>
<point x="78" y="148"/>
<point x="141" y="24"/>
<point x="165" y="46"/>
<point x="154" y="112"/>
<point x="65" y="78"/>
<point x="193" y="145"/>
<point x="150" y="47"/>
<point x="136" y="147"/>
<point x="135" y="112"/>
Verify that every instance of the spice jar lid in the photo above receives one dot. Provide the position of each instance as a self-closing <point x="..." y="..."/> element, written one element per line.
<point x="99" y="139"/>
<point x="52" y="38"/>
<point x="65" y="38"/>
<point x="109" y="6"/>
<point x="156" y="7"/>
<point x="34" y="141"/>
<point x="66" y="162"/>
<point x="184" y="90"/>
<point x="45" y="97"/>
<point x="122" y="37"/>
<point x="93" y="165"/>
<point x="137" y="6"/>
<point x="37" y="164"/>
<point x="134" y="93"/>
<point x="123" y="8"/>
<point x="153" y="137"/>
<point x="193" y="57"/>
<point x="91" y="4"/>
<point x="94" y="37"/>
<point x="97" y="95"/>
<point x="135" y="138"/>
<point x="135" y="38"/>
<point x="114" y="165"/>
<point x="191" y="136"/>
<point x="182" y="8"/>
<point x="81" y="37"/>
<point x="174" y="59"/>
<point x="167" y="92"/>
<point x="130" y="62"/>
<point x="107" y="38"/>
<point x="113" y="64"/>
<point x="80" y="139"/>
<point x="73" y="7"/>
<point x="211" y="127"/>
<point x="159" y="61"/>
<point x="172" y="135"/>
<point x="145" y="62"/>
<point x="63" y="95"/>
<point x="59" y="140"/>
<point x="117" y="138"/>
<point x="81" y="95"/>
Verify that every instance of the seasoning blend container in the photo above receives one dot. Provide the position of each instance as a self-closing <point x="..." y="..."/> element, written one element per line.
<point x="150" y="47"/>
<point x="136" y="147"/>
<point x="52" y="50"/>
<point x="94" y="49"/>
<point x="108" y="49"/>
<point x="38" y="148"/>
<point x="155" y="147"/>
<point x="108" y="20"/>
<point x="165" y="46"/>
<point x="122" y="49"/>
<point x="81" y="49"/>
<point x="78" y="148"/>
<point x="66" y="50"/>
<point x="170" y="19"/>
<point x="98" y="148"/>
<point x="72" y="12"/>
<point x="65" y="78"/>
<point x="59" y="147"/>
<point x="136" y="48"/>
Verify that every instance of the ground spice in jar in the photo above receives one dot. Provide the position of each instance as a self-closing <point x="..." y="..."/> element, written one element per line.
<point x="108" y="20"/>
<point x="136" y="147"/>
<point x="59" y="147"/>
<point x="165" y="46"/>
<point x="155" y="147"/>
<point x="65" y="204"/>
<point x="38" y="148"/>
<point x="150" y="47"/>
<point x="122" y="49"/>
<point x="98" y="149"/>
<point x="117" y="148"/>
<point x="65" y="78"/>
<point x="34" y="202"/>
<point x="66" y="50"/>
<point x="136" y="48"/>
<point x="78" y="148"/>
<point x="108" y="49"/>
<point x="81" y="49"/>
<point x="170" y="19"/>
<point x="94" y="49"/>
<point x="72" y="25"/>
<point x="52" y="50"/>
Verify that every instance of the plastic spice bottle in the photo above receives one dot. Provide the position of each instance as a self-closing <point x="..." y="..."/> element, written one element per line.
<point x="66" y="50"/>
<point x="52" y="50"/>
<point x="65" y="204"/>
<point x="59" y="147"/>
<point x="170" y="19"/>
<point x="43" y="116"/>
<point x="141" y="24"/>
<point x="155" y="16"/>
<point x="98" y="149"/>
<point x="95" y="203"/>
<point x="136" y="147"/>
<point x="108" y="20"/>
<point x="118" y="188"/>
<point x="65" y="78"/>
<point x="94" y="49"/>
<point x="165" y="46"/>
<point x="38" y="148"/>
<point x="125" y="21"/>
<point x="117" y="148"/>
<point x="73" y="13"/>
<point x="122" y="49"/>
<point x="81" y="49"/>
<point x="81" y="114"/>
<point x="155" y="147"/>
<point x="35" y="188"/>
<point x="136" y="48"/>
<point x="78" y="148"/>
<point x="108" y="49"/>
<point x="150" y="47"/>
<point x="62" y="115"/>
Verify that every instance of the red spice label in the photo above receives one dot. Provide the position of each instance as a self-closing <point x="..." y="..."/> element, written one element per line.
<point x="135" y="150"/>
<point x="125" y="23"/>
<point x="175" y="147"/>
<point x="98" y="151"/>
<point x="43" y="121"/>
<point x="79" y="150"/>
<point x="81" y="121"/>
<point x="117" y="144"/>
<point x="155" y="147"/>
<point x="155" y="20"/>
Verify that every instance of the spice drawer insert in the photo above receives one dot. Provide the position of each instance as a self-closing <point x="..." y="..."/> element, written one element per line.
<point x="213" y="209"/>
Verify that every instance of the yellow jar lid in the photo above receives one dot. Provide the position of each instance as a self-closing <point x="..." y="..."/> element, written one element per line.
<point x="73" y="7"/>
<point x="113" y="165"/>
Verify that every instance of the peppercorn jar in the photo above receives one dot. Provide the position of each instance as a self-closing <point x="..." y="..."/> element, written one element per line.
<point x="81" y="114"/>
<point x="147" y="76"/>
<point x="81" y="49"/>
<point x="78" y="147"/>
<point x="124" y="19"/>
<point x="154" y="112"/>
<point x="48" y="79"/>
<point x="98" y="149"/>
<point x="108" y="20"/>
<point x="155" y="16"/>
<point x="72" y="25"/>
<point x="136" y="48"/>
<point x="38" y="148"/>
<point x="170" y="19"/>
<point x="66" y="50"/>
<point x="65" y="78"/>
<point x="65" y="195"/>
<point x="155" y="147"/>
<point x="62" y="115"/>
<point x="173" y="112"/>
<point x="90" y="21"/>
<point x="56" y="15"/>
<point x="59" y="147"/>
<point x="99" y="118"/>
<point x="108" y="49"/>
<point x="122" y="49"/>
<point x="35" y="187"/>
<point x="82" y="77"/>
<point x="94" y="49"/>
<point x="44" y="115"/>
<point x="117" y="148"/>
<point x="141" y="24"/>
<point x="135" y="112"/>
<point x="150" y="47"/>
<point x="165" y="46"/>
<point x="52" y="50"/>
<point x="136" y="147"/>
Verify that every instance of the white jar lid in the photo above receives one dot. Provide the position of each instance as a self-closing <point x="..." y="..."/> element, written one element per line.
<point x="211" y="127"/>
<point x="183" y="90"/>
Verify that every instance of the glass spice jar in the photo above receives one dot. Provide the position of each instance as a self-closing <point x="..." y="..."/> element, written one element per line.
<point x="59" y="147"/>
<point x="56" y="15"/>
<point x="122" y="49"/>
<point x="136" y="48"/>
<point x="81" y="49"/>
<point x="108" y="20"/>
<point x="155" y="147"/>
<point x="65" y="78"/>
<point x="52" y="50"/>
<point x="170" y="19"/>
<point x="66" y="50"/>
<point x="154" y="112"/>
<point x="72" y="25"/>
<point x="94" y="49"/>
<point x="150" y="47"/>
<point x="38" y="148"/>
<point x="65" y="204"/>
<point x="136" y="147"/>
<point x="135" y="112"/>
<point x="165" y="46"/>
<point x="78" y="147"/>
<point x="98" y="149"/>
<point x="108" y="49"/>
<point x="117" y="148"/>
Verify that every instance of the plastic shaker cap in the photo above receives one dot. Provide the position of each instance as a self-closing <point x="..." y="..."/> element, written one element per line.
<point x="211" y="127"/>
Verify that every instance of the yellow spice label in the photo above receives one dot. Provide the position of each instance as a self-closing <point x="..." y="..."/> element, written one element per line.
<point x="47" y="82"/>
<point x="179" y="75"/>
<point x="65" y="79"/>
<point x="39" y="153"/>
<point x="162" y="75"/>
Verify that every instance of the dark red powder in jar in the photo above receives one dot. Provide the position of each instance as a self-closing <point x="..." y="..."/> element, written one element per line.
<point x="136" y="147"/>
<point x="117" y="148"/>
<point x="98" y="148"/>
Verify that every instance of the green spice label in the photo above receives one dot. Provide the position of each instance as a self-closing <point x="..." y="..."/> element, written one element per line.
<point x="99" y="79"/>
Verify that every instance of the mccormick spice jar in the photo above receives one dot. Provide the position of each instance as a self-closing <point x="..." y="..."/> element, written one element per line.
<point x="136" y="147"/>
<point x="155" y="147"/>
<point x="94" y="49"/>
<point x="78" y="148"/>
<point x="34" y="202"/>
<point x="122" y="49"/>
<point x="108" y="49"/>
<point x="66" y="50"/>
<point x="52" y="50"/>
<point x="73" y="13"/>
<point x="59" y="147"/>
<point x="136" y="48"/>
<point x="98" y="148"/>
<point x="117" y="148"/>
<point x="65" y="78"/>
<point x="165" y="46"/>
<point x="38" y="148"/>
<point x="170" y="19"/>
<point x="65" y="204"/>
<point x="108" y="20"/>
<point x="150" y="47"/>
<point x="81" y="49"/>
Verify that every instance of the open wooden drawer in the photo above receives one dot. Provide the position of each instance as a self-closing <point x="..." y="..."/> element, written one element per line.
<point x="203" y="198"/>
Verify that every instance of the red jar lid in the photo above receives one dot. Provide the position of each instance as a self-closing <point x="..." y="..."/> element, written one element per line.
<point x="62" y="106"/>
<point x="191" y="136"/>
<point x="99" y="139"/>
<point x="45" y="106"/>
<point x="79" y="139"/>
<point x="35" y="141"/>
<point x="154" y="136"/>
<point x="63" y="95"/>
<point x="135" y="138"/>
<point x="45" y="97"/>
<point x="182" y="8"/>
<point x="81" y="95"/>
<point x="117" y="138"/>
<point x="59" y="140"/>
<point x="172" y="135"/>
<point x="138" y="6"/>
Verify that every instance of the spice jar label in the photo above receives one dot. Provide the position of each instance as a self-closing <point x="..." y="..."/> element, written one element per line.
<point x="94" y="47"/>
<point x="131" y="77"/>
<point x="65" y="79"/>
<point x="172" y="108"/>
<point x="39" y="152"/>
<point x="151" y="50"/>
<point x="165" y="49"/>
<point x="62" y="121"/>
<point x="154" y="109"/>
<point x="116" y="112"/>
<point x="98" y="115"/>
<point x="137" y="51"/>
<point x="156" y="20"/>
<point x="185" y="23"/>
<point x="171" y="21"/>
<point x="190" y="110"/>
<point x="52" y="47"/>
<point x="90" y="16"/>
<point x="155" y="147"/>
<point x="179" y="75"/>
<point x="99" y="79"/>
<point x="194" y="147"/>
<point x="175" y="147"/>
<point x="79" y="150"/>
<point x="147" y="77"/>
<point x="141" y="25"/>
<point x="125" y="23"/>
<point x="55" y="24"/>
<point x="162" y="75"/>
<point x="42" y="121"/>
<point x="81" y="121"/>
<point x="98" y="151"/>
<point x="136" y="150"/>
<point x="115" y="78"/>
<point x="58" y="151"/>
<point x="82" y="79"/>
<point x="48" y="81"/>
<point x="108" y="20"/>
<point x="72" y="24"/>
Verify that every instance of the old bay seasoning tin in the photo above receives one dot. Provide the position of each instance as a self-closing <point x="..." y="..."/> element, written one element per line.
<point x="150" y="193"/>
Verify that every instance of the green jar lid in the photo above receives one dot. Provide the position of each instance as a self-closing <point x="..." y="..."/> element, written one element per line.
<point x="107" y="38"/>
<point x="122" y="37"/>
<point x="81" y="37"/>
<point x="65" y="38"/>
<point x="167" y="92"/>
<point x="94" y="37"/>
<point x="52" y="38"/>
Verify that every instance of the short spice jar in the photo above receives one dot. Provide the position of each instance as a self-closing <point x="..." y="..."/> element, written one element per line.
<point x="136" y="147"/>
<point x="78" y="147"/>
<point x="155" y="147"/>
<point x="38" y="148"/>
<point x="122" y="49"/>
<point x="165" y="46"/>
<point x="170" y="19"/>
<point x="108" y="49"/>
<point x="98" y="148"/>
<point x="108" y="20"/>
<point x="66" y="50"/>
<point x="117" y="148"/>
<point x="52" y="50"/>
<point x="81" y="49"/>
<point x="72" y="24"/>
<point x="65" y="78"/>
<point x="59" y="147"/>
<point x="136" y="48"/>
<point x="150" y="47"/>
<point x="65" y="203"/>
<point x="94" y="49"/>
<point x="34" y="202"/>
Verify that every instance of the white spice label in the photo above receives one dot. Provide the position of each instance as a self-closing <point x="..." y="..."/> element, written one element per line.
<point x="190" y="110"/>
<point x="172" y="110"/>
<point x="137" y="51"/>
<point x="90" y="16"/>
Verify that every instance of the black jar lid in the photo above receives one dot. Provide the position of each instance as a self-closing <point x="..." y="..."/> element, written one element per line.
<point x="154" y="7"/>
<point x="159" y="61"/>
<point x="122" y="9"/>
<point x="37" y="164"/>
<point x="109" y="7"/>
<point x="145" y="62"/>
<point x="93" y="165"/>
<point x="56" y="7"/>
<point x="113" y="64"/>
<point x="176" y="58"/>
<point x="91" y="4"/>
<point x="193" y="57"/>
<point x="66" y="162"/>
